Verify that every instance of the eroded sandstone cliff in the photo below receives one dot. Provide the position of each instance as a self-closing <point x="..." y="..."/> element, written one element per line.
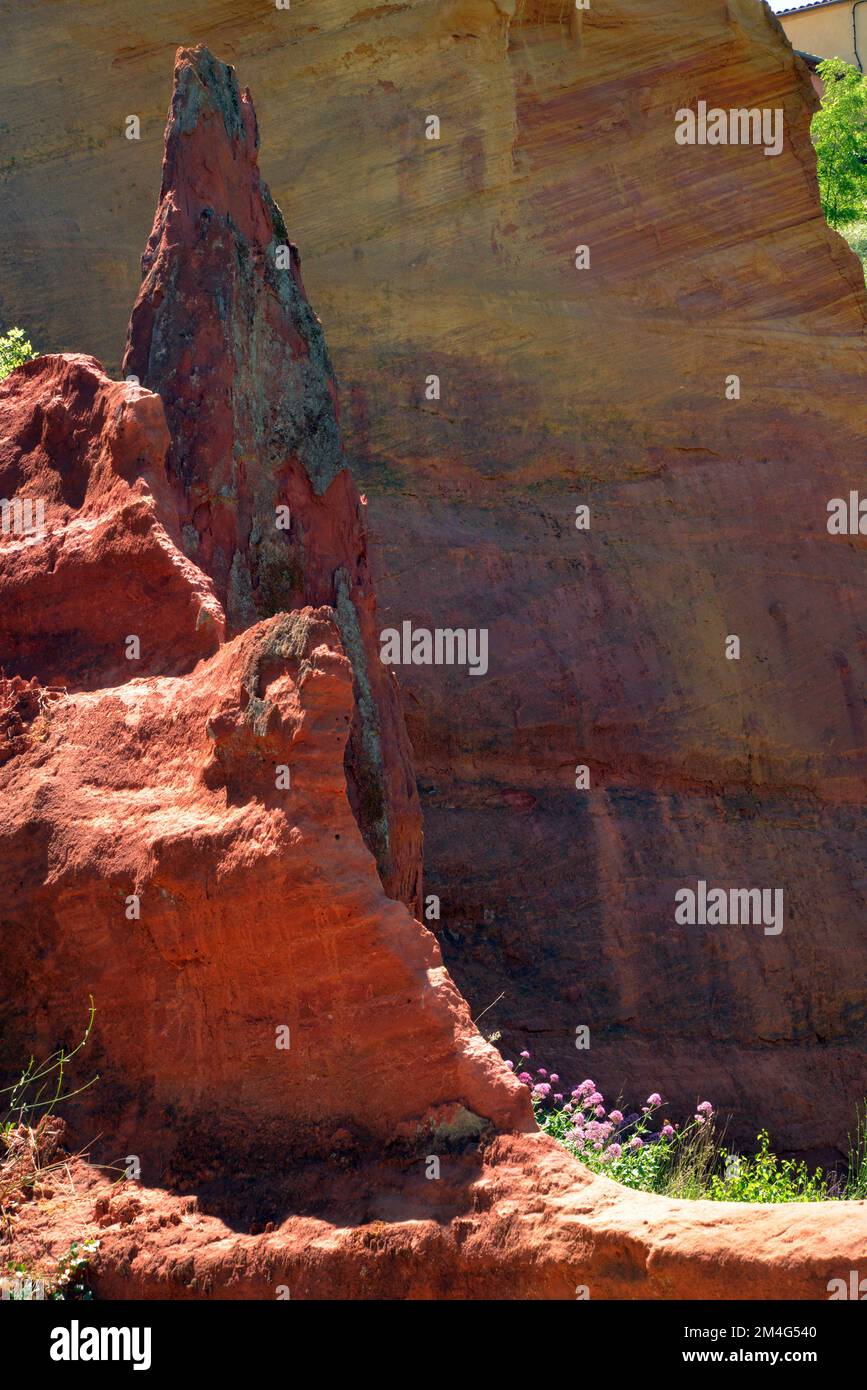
<point x="181" y="823"/>
<point x="456" y="257"/>
<point x="276" y="1037"/>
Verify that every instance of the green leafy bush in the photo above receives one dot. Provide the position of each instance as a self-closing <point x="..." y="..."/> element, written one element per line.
<point x="767" y="1178"/>
<point x="15" y="350"/>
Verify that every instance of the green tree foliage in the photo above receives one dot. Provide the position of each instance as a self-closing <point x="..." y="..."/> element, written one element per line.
<point x="15" y="349"/>
<point x="839" y="134"/>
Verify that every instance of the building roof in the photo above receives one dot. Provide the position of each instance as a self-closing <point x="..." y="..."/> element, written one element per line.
<point x="793" y="6"/>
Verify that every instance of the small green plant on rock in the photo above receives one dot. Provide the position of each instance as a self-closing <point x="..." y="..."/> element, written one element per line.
<point x="68" y="1283"/>
<point x="763" y="1177"/>
<point x="15" y="350"/>
<point x="31" y="1136"/>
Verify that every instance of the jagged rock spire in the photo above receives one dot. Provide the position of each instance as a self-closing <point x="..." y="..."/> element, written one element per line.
<point x="223" y="331"/>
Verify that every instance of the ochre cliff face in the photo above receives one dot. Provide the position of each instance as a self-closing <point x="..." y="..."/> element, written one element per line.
<point x="256" y="907"/>
<point x="177" y="837"/>
<point x="84" y="459"/>
<point x="561" y="387"/>
<point x="274" y="1035"/>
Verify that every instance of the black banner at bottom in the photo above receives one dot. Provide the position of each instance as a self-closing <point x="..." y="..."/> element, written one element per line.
<point x="246" y="1338"/>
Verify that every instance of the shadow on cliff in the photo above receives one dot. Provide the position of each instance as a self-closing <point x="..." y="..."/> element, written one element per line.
<point x="254" y="1184"/>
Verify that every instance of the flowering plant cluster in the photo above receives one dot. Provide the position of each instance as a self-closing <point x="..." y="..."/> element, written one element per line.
<point x="638" y="1148"/>
<point x="643" y="1149"/>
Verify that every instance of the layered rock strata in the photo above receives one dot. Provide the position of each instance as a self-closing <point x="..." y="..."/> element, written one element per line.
<point x="276" y="1037"/>
<point x="191" y="799"/>
<point x="558" y="387"/>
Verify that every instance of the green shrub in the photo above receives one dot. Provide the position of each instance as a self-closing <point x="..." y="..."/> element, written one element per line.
<point x="15" y="350"/>
<point x="766" y="1178"/>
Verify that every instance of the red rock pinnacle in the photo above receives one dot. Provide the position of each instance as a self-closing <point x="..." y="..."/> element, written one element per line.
<point x="223" y="331"/>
